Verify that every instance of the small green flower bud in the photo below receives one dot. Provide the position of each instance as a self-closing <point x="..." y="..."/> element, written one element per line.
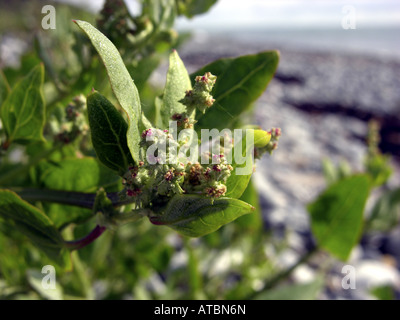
<point x="183" y="121"/>
<point x="272" y="144"/>
<point x="200" y="96"/>
<point x="216" y="191"/>
<point x="75" y="125"/>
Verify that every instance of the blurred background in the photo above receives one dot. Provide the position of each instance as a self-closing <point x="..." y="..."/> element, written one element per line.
<point x="339" y="69"/>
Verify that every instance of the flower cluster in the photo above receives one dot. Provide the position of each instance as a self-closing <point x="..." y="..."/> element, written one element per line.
<point x="164" y="172"/>
<point x="161" y="143"/>
<point x="159" y="174"/>
<point x="136" y="36"/>
<point x="146" y="182"/>
<point x="271" y="146"/>
<point x="200" y="96"/>
<point x="163" y="175"/>
<point x="209" y="180"/>
<point x="183" y="121"/>
<point x="115" y="21"/>
<point x="75" y="124"/>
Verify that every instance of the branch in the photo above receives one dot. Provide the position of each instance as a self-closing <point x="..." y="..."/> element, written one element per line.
<point x="280" y="276"/>
<point x="79" y="244"/>
<point x="72" y="198"/>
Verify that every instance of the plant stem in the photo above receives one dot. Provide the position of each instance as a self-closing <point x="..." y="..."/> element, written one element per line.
<point x="285" y="273"/>
<point x="83" y="242"/>
<point x="78" y="199"/>
<point x="280" y="276"/>
<point x="72" y="198"/>
<point x="194" y="275"/>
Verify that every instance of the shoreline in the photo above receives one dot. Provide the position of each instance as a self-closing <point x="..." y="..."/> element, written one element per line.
<point x="382" y="43"/>
<point x="332" y="84"/>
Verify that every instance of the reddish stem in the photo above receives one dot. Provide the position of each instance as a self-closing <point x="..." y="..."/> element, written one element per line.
<point x="79" y="244"/>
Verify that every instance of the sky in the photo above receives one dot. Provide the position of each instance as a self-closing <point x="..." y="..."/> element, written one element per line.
<point x="231" y="14"/>
<point x="296" y="14"/>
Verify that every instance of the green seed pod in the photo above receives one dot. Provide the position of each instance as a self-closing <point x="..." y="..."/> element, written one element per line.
<point x="261" y="138"/>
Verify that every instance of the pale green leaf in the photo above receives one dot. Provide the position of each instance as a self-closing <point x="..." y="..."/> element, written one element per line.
<point x="23" y="111"/>
<point x="121" y="83"/>
<point x="178" y="82"/>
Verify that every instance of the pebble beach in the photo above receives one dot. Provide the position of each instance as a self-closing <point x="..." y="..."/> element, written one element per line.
<point x="322" y="101"/>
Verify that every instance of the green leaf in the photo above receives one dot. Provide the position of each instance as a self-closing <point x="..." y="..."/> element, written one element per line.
<point x="4" y="87"/>
<point x="160" y="12"/>
<point x="386" y="212"/>
<point x="251" y="222"/>
<point x="28" y="61"/>
<point x="158" y="104"/>
<point x="337" y="214"/>
<point x="302" y="291"/>
<point x="82" y="175"/>
<point x="121" y="83"/>
<point x="108" y="130"/>
<point x="384" y="292"/>
<point x="241" y="174"/>
<point x="23" y="112"/>
<point x="35" y="225"/>
<point x="178" y="82"/>
<point x="190" y="8"/>
<point x="240" y="81"/>
<point x="196" y="216"/>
